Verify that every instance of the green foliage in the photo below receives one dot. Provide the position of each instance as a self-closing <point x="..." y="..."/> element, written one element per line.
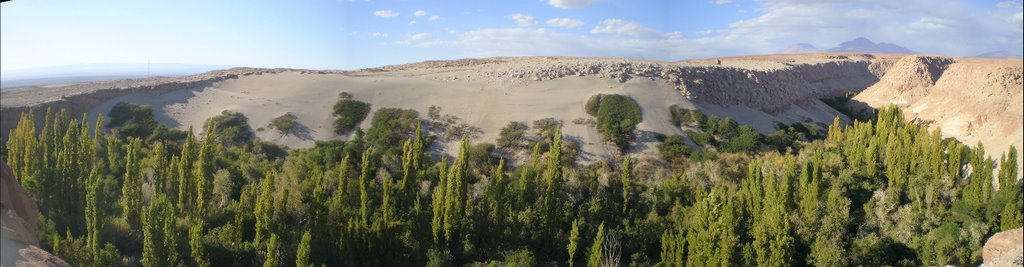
<point x="574" y="241"/>
<point x="159" y="234"/>
<point x="229" y="128"/>
<point x="139" y="121"/>
<point x="390" y="126"/>
<point x="512" y="134"/>
<point x="673" y="148"/>
<point x="546" y="127"/>
<point x="617" y="117"/>
<point x="303" y="251"/>
<point x="596" y="258"/>
<point x="593" y="105"/>
<point x="869" y="193"/>
<point x="283" y="123"/>
<point x="131" y="191"/>
<point x="700" y="138"/>
<point x="349" y="113"/>
<point x="272" y="253"/>
<point x="745" y="139"/>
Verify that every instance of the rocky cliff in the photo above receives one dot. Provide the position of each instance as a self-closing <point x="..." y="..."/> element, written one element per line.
<point x="1004" y="249"/>
<point x="18" y="218"/>
<point x="974" y="100"/>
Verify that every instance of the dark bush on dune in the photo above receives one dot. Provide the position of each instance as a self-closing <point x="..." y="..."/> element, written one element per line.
<point x="349" y="113"/>
<point x="229" y="128"/>
<point x="617" y="117"/>
<point x="283" y="123"/>
<point x="131" y="120"/>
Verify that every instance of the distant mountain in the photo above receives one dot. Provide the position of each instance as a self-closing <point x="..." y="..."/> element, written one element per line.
<point x="800" y="49"/>
<point x="863" y="45"/>
<point x="97" y="72"/>
<point x="1000" y="54"/>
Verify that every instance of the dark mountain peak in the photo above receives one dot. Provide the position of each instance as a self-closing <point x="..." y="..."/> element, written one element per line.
<point x="863" y="45"/>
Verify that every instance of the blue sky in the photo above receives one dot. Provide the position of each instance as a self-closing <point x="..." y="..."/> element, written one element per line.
<point x="333" y="34"/>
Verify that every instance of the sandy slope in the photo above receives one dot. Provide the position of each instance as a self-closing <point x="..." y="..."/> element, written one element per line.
<point x="484" y="93"/>
<point x="970" y="99"/>
<point x="478" y="102"/>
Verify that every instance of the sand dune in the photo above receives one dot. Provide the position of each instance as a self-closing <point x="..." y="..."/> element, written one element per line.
<point x="488" y="93"/>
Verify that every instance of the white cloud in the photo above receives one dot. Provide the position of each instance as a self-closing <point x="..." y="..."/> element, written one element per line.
<point x="420" y="36"/>
<point x="932" y="23"/>
<point x="523" y="20"/>
<point x="385" y="13"/>
<point x="539" y="41"/>
<point x="723" y="2"/>
<point x="943" y="27"/>
<point x="434" y="18"/>
<point x="565" y="23"/>
<point x="620" y="27"/>
<point x="1010" y="5"/>
<point x="571" y="3"/>
<point x="379" y="35"/>
<point x="412" y="22"/>
<point x="419" y="13"/>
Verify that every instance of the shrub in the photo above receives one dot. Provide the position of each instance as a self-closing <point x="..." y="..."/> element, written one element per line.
<point x="546" y="127"/>
<point x="481" y="158"/>
<point x="133" y="120"/>
<point x="593" y="105"/>
<point x="124" y="112"/>
<point x="673" y="148"/>
<point x="390" y="125"/>
<point x="349" y="113"/>
<point x="521" y="257"/>
<point x="700" y="138"/>
<point x="680" y="116"/>
<point x="283" y="123"/>
<point x="511" y="134"/>
<point x="746" y="139"/>
<point x="617" y="118"/>
<point x="229" y="128"/>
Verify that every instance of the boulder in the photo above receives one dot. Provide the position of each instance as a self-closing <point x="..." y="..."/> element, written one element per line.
<point x="1004" y="249"/>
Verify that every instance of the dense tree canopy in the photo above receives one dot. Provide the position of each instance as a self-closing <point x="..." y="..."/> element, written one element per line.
<point x="871" y="193"/>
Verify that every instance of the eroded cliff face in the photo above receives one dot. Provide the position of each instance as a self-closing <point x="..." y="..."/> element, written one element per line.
<point x="768" y="83"/>
<point x="18" y="218"/>
<point x="973" y="100"/>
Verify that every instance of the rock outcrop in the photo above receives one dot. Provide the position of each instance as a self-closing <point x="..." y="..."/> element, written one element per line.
<point x="18" y="218"/>
<point x="1004" y="249"/>
<point x="974" y="100"/>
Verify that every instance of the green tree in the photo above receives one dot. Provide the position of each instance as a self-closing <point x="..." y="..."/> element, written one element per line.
<point x="198" y="248"/>
<point x="264" y="208"/>
<point x="553" y="181"/>
<point x="596" y="258"/>
<point x="271" y="253"/>
<point x="829" y="247"/>
<point x="574" y="241"/>
<point x="626" y="178"/>
<point x="159" y="234"/>
<point x="303" y="251"/>
<point x="93" y="215"/>
<point x="131" y="191"/>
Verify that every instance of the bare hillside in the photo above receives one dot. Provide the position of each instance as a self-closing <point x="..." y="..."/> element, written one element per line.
<point x="974" y="100"/>
<point x="488" y="93"/>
